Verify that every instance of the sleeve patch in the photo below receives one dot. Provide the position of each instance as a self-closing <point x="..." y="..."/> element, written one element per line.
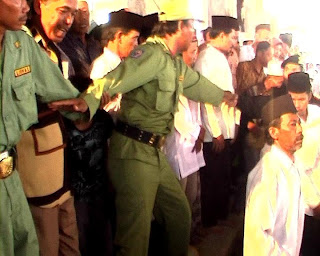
<point x="136" y="53"/>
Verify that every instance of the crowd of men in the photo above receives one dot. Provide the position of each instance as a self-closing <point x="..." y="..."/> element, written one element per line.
<point x="102" y="138"/>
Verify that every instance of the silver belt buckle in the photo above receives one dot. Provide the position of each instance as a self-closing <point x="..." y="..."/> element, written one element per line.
<point x="4" y="155"/>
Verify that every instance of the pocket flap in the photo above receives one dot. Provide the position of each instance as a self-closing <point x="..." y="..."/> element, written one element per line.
<point x="48" y="139"/>
<point x="23" y="90"/>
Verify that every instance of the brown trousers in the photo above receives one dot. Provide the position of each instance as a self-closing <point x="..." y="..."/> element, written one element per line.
<point x="57" y="229"/>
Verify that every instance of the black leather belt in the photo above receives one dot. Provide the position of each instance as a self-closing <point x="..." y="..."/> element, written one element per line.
<point x="135" y="133"/>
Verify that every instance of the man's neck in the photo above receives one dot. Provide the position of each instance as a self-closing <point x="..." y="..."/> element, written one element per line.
<point x="172" y="44"/>
<point x="257" y="65"/>
<point x="113" y="46"/>
<point x="304" y="116"/>
<point x="216" y="44"/>
<point x="290" y="154"/>
<point x="81" y="36"/>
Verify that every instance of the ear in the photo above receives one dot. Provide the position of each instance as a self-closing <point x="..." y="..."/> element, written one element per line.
<point x="274" y="132"/>
<point x="221" y="35"/>
<point x="309" y="96"/>
<point x="36" y="6"/>
<point x="118" y="35"/>
<point x="180" y="25"/>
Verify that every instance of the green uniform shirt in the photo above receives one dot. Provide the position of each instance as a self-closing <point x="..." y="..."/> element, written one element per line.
<point x="151" y="80"/>
<point x="27" y="74"/>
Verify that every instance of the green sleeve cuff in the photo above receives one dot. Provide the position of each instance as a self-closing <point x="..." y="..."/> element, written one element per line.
<point x="92" y="102"/>
<point x="218" y="97"/>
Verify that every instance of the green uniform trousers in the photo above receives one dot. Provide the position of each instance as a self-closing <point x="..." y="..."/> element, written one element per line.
<point x="17" y="231"/>
<point x="143" y="189"/>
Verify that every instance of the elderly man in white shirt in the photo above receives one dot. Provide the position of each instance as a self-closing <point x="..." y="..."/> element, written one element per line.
<point x="220" y="122"/>
<point x="278" y="190"/>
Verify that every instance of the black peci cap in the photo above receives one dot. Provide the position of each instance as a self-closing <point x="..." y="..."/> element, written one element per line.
<point x="277" y="107"/>
<point x="148" y="23"/>
<point x="224" y="22"/>
<point x="125" y="19"/>
<point x="299" y="82"/>
<point x="292" y="59"/>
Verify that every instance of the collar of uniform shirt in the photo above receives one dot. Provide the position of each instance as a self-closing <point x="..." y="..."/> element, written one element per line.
<point x="159" y="40"/>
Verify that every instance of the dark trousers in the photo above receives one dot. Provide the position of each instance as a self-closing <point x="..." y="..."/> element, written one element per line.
<point x="95" y="236"/>
<point x="311" y="237"/>
<point x="215" y="179"/>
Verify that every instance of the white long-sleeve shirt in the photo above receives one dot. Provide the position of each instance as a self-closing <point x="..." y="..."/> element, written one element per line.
<point x="278" y="194"/>
<point x="180" y="142"/>
<point x="101" y="66"/>
<point x="217" y="120"/>
<point x="105" y="63"/>
<point x="309" y="153"/>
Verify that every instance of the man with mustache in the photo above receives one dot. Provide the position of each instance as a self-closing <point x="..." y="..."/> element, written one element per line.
<point x="42" y="158"/>
<point x="278" y="189"/>
<point x="22" y="81"/>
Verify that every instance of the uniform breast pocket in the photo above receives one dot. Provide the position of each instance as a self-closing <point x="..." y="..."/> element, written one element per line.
<point x="25" y="102"/>
<point x="166" y="96"/>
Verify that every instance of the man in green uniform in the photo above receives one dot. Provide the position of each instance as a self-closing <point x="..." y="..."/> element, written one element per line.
<point x="151" y="79"/>
<point x="26" y="74"/>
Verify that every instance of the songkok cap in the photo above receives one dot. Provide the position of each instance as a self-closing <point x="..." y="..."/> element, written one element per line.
<point x="224" y="22"/>
<point x="125" y="19"/>
<point x="172" y="10"/>
<point x="299" y="82"/>
<point x="148" y="23"/>
<point x="277" y="107"/>
<point x="274" y="69"/>
<point x="292" y="59"/>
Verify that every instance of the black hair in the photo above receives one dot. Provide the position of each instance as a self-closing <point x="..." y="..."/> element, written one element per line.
<point x="206" y="31"/>
<point x="263" y="46"/>
<point x="108" y="32"/>
<point x="274" y="123"/>
<point x="214" y="32"/>
<point x="168" y="27"/>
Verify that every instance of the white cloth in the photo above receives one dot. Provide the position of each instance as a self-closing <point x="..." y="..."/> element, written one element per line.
<point x="101" y="66"/>
<point x="278" y="193"/>
<point x="214" y="65"/>
<point x="105" y="63"/>
<point x="180" y="142"/>
<point x="309" y="153"/>
<point x="316" y="86"/>
<point x="246" y="53"/>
